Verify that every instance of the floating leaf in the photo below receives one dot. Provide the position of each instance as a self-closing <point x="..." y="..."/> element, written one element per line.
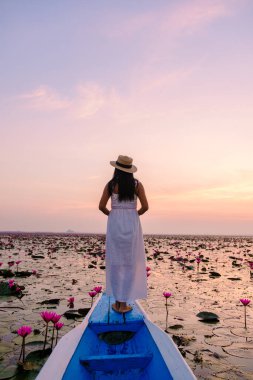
<point x="214" y="274"/>
<point x="5" y="347"/>
<point x="8" y="372"/>
<point x="53" y="301"/>
<point x="176" y="327"/>
<point x="207" y="316"/>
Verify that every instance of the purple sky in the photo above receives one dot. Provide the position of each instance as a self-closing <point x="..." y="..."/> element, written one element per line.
<point x="168" y="83"/>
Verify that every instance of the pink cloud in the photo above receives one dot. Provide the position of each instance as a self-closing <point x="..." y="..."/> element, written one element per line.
<point x="88" y="100"/>
<point x="195" y="14"/>
<point x="45" y="98"/>
<point x="189" y="15"/>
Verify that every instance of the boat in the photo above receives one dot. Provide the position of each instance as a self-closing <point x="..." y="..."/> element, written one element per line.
<point x="108" y="345"/>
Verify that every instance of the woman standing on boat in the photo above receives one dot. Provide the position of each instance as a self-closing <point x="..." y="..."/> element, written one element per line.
<point x="126" y="278"/>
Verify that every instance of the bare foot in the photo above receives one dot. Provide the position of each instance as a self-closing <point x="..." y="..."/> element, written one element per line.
<point x="125" y="308"/>
<point x="115" y="307"/>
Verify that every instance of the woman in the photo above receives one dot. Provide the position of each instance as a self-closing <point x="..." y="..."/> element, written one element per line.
<point x="126" y="278"/>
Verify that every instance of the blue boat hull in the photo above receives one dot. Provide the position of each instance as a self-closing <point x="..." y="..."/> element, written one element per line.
<point x="113" y="346"/>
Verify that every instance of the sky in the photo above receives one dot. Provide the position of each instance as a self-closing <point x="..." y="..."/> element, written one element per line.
<point x="169" y="83"/>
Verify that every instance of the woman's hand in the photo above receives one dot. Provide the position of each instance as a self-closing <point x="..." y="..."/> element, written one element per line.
<point x="103" y="201"/>
<point x="142" y="197"/>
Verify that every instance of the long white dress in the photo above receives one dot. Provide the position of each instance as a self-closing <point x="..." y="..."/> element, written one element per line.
<point x="126" y="278"/>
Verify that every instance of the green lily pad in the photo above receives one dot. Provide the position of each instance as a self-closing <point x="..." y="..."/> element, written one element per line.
<point x="30" y="339"/>
<point x="24" y="273"/>
<point x="8" y="372"/>
<point x="207" y="316"/>
<point x="5" y="347"/>
<point x="52" y="301"/>
<point x="72" y="314"/>
<point x="5" y="290"/>
<point x="84" y="311"/>
<point x="38" y="356"/>
<point x="4" y="330"/>
<point x="214" y="274"/>
<point x="176" y="327"/>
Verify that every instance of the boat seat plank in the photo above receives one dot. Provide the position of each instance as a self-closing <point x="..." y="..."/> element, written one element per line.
<point x="114" y="362"/>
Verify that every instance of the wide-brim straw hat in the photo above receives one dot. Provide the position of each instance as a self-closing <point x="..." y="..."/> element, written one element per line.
<point x="124" y="163"/>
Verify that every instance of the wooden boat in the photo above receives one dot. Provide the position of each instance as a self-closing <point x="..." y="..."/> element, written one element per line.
<point x="108" y="345"/>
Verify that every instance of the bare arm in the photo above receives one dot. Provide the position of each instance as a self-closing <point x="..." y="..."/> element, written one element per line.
<point x="103" y="201"/>
<point x="142" y="197"/>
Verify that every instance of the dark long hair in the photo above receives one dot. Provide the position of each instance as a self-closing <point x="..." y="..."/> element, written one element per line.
<point x="126" y="185"/>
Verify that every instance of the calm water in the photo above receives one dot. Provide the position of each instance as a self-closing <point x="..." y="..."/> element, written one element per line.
<point x="71" y="265"/>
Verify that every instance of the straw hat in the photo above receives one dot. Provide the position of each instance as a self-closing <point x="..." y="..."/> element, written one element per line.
<point x="124" y="163"/>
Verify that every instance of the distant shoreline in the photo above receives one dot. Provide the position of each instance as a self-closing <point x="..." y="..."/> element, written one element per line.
<point x="44" y="233"/>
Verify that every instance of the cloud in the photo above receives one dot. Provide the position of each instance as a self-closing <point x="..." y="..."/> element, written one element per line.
<point x="192" y="15"/>
<point x="187" y="15"/>
<point x="205" y="192"/>
<point x="45" y="98"/>
<point x="88" y="99"/>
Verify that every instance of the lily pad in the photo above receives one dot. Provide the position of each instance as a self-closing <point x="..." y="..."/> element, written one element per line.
<point x="24" y="273"/>
<point x="72" y="314"/>
<point x="207" y="316"/>
<point x="8" y="372"/>
<point x="84" y="311"/>
<point x="176" y="327"/>
<point x="5" y="347"/>
<point x="53" y="301"/>
<point x="30" y="339"/>
<point x="214" y="274"/>
<point x="5" y="290"/>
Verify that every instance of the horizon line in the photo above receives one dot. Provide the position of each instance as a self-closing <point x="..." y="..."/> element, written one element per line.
<point x="103" y="233"/>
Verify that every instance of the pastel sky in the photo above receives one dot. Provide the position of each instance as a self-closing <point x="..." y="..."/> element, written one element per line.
<point x="169" y="83"/>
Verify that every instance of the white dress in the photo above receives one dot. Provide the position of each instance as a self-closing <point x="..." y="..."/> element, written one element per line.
<point x="126" y="278"/>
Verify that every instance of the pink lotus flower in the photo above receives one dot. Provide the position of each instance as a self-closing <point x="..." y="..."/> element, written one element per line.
<point x="97" y="289"/>
<point x="148" y="269"/>
<point x="71" y="300"/>
<point x="24" y="331"/>
<point x="11" y="263"/>
<point x="18" y="262"/>
<point x="11" y="283"/>
<point x="34" y="272"/>
<point x="59" y="325"/>
<point x="148" y="274"/>
<point x="245" y="301"/>
<point x="92" y="295"/>
<point x="56" y="318"/>
<point x="1" y="264"/>
<point x="167" y="295"/>
<point x="47" y="316"/>
<point x="198" y="259"/>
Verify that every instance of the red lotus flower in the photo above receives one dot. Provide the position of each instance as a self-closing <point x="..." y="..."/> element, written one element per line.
<point x="97" y="289"/>
<point x="245" y="301"/>
<point x="24" y="331"/>
<point x="56" y="318"/>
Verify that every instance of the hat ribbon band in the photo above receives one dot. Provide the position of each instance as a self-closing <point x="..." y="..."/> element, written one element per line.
<point x="123" y="166"/>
